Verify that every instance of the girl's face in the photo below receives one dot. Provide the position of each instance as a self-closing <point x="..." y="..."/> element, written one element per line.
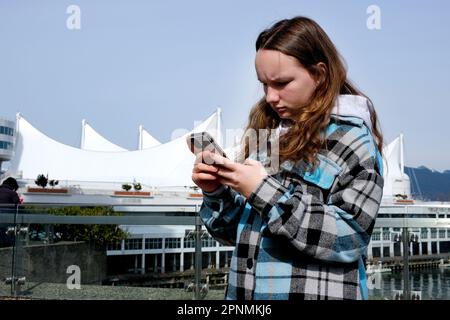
<point x="287" y="84"/>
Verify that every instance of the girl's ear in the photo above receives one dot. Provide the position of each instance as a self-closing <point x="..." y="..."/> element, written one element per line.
<point x="320" y="72"/>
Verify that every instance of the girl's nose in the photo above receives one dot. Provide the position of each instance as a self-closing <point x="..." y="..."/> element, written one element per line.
<point x="272" y="95"/>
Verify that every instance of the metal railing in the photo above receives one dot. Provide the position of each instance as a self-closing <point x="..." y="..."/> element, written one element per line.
<point x="151" y="215"/>
<point x="403" y="217"/>
<point x="407" y="217"/>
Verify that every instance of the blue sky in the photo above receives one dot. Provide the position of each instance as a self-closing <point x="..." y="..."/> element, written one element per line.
<point x="166" y="64"/>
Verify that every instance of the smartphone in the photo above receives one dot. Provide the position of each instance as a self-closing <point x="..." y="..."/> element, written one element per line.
<point x="203" y="141"/>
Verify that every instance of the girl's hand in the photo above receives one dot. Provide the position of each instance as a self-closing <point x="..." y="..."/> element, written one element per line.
<point x="244" y="178"/>
<point x="205" y="175"/>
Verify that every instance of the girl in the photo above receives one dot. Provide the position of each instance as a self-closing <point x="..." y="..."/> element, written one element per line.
<point x="300" y="232"/>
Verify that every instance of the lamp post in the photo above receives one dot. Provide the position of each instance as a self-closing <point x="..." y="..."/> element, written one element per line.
<point x="406" y="238"/>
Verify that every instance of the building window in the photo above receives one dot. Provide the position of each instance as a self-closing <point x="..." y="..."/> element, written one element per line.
<point x="386" y="252"/>
<point x="433" y="233"/>
<point x="153" y="243"/>
<point x="376" y="252"/>
<point x="133" y="244"/>
<point x="6" y="145"/>
<point x="386" y="236"/>
<point x="189" y="242"/>
<point x="424" y="233"/>
<point x="376" y="236"/>
<point x="433" y="247"/>
<point x="208" y="242"/>
<point x="441" y="233"/>
<point x="172" y="243"/>
<point x="7" y="131"/>
<point x="115" y="246"/>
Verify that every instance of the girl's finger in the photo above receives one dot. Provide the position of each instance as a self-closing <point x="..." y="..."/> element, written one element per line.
<point x="201" y="167"/>
<point x="202" y="156"/>
<point x="251" y="162"/>
<point x="220" y="161"/>
<point x="225" y="174"/>
<point x="227" y="182"/>
<point x="204" y="176"/>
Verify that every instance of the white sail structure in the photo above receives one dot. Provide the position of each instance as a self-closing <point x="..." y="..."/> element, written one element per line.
<point x="146" y="140"/>
<point x="94" y="141"/>
<point x="168" y="164"/>
<point x="395" y="180"/>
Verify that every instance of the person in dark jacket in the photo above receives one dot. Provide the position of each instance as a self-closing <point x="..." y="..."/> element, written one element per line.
<point x="8" y="192"/>
<point x="8" y="197"/>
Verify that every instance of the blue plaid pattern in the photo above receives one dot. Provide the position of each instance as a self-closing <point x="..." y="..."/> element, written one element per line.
<point x="302" y="235"/>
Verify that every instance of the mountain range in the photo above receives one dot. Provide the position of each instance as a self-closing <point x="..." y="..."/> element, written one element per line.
<point x="428" y="184"/>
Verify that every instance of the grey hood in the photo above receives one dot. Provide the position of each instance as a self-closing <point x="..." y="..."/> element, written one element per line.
<point x="346" y="105"/>
<point x="353" y="106"/>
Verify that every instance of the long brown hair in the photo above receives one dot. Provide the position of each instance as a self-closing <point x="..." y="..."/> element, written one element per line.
<point x="304" y="39"/>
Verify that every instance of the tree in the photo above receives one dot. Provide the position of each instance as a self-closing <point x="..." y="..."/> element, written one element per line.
<point x="137" y="186"/>
<point x="126" y="187"/>
<point x="41" y="180"/>
<point x="94" y="233"/>
<point x="53" y="183"/>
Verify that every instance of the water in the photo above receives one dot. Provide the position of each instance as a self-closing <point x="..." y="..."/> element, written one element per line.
<point x="427" y="284"/>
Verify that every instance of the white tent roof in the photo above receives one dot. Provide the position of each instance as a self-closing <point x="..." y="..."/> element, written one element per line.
<point x="168" y="164"/>
<point x="392" y="159"/>
<point x="395" y="179"/>
<point x="94" y="141"/>
<point x="146" y="140"/>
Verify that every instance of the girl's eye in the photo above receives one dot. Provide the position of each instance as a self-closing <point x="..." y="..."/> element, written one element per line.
<point x="278" y="84"/>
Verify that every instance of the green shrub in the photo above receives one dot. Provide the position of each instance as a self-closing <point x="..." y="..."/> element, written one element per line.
<point x="100" y="234"/>
<point x="126" y="187"/>
<point x="137" y="186"/>
<point x="41" y="181"/>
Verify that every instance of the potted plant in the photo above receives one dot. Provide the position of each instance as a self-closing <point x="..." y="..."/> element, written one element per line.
<point x="53" y="183"/>
<point x="136" y="186"/>
<point x="402" y="198"/>
<point x="196" y="194"/>
<point x="126" y="187"/>
<point x="42" y="181"/>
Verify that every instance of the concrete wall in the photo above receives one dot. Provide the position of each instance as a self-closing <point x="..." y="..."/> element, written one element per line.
<point x="49" y="263"/>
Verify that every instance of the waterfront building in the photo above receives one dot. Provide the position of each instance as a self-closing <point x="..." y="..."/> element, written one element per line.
<point x="7" y="138"/>
<point x="93" y="173"/>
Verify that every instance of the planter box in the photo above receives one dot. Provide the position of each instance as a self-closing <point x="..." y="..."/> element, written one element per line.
<point x="45" y="190"/>
<point x="404" y="201"/>
<point x="195" y="196"/>
<point x="132" y="193"/>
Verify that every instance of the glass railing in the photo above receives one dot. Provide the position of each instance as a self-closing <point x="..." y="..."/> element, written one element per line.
<point x="80" y="253"/>
<point x="119" y="253"/>
<point x="418" y="268"/>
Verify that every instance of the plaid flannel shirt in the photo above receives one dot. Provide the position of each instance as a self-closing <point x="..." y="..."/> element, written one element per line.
<point x="302" y="235"/>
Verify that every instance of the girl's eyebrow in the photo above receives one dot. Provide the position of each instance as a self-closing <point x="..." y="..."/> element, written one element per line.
<point x="276" y="79"/>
